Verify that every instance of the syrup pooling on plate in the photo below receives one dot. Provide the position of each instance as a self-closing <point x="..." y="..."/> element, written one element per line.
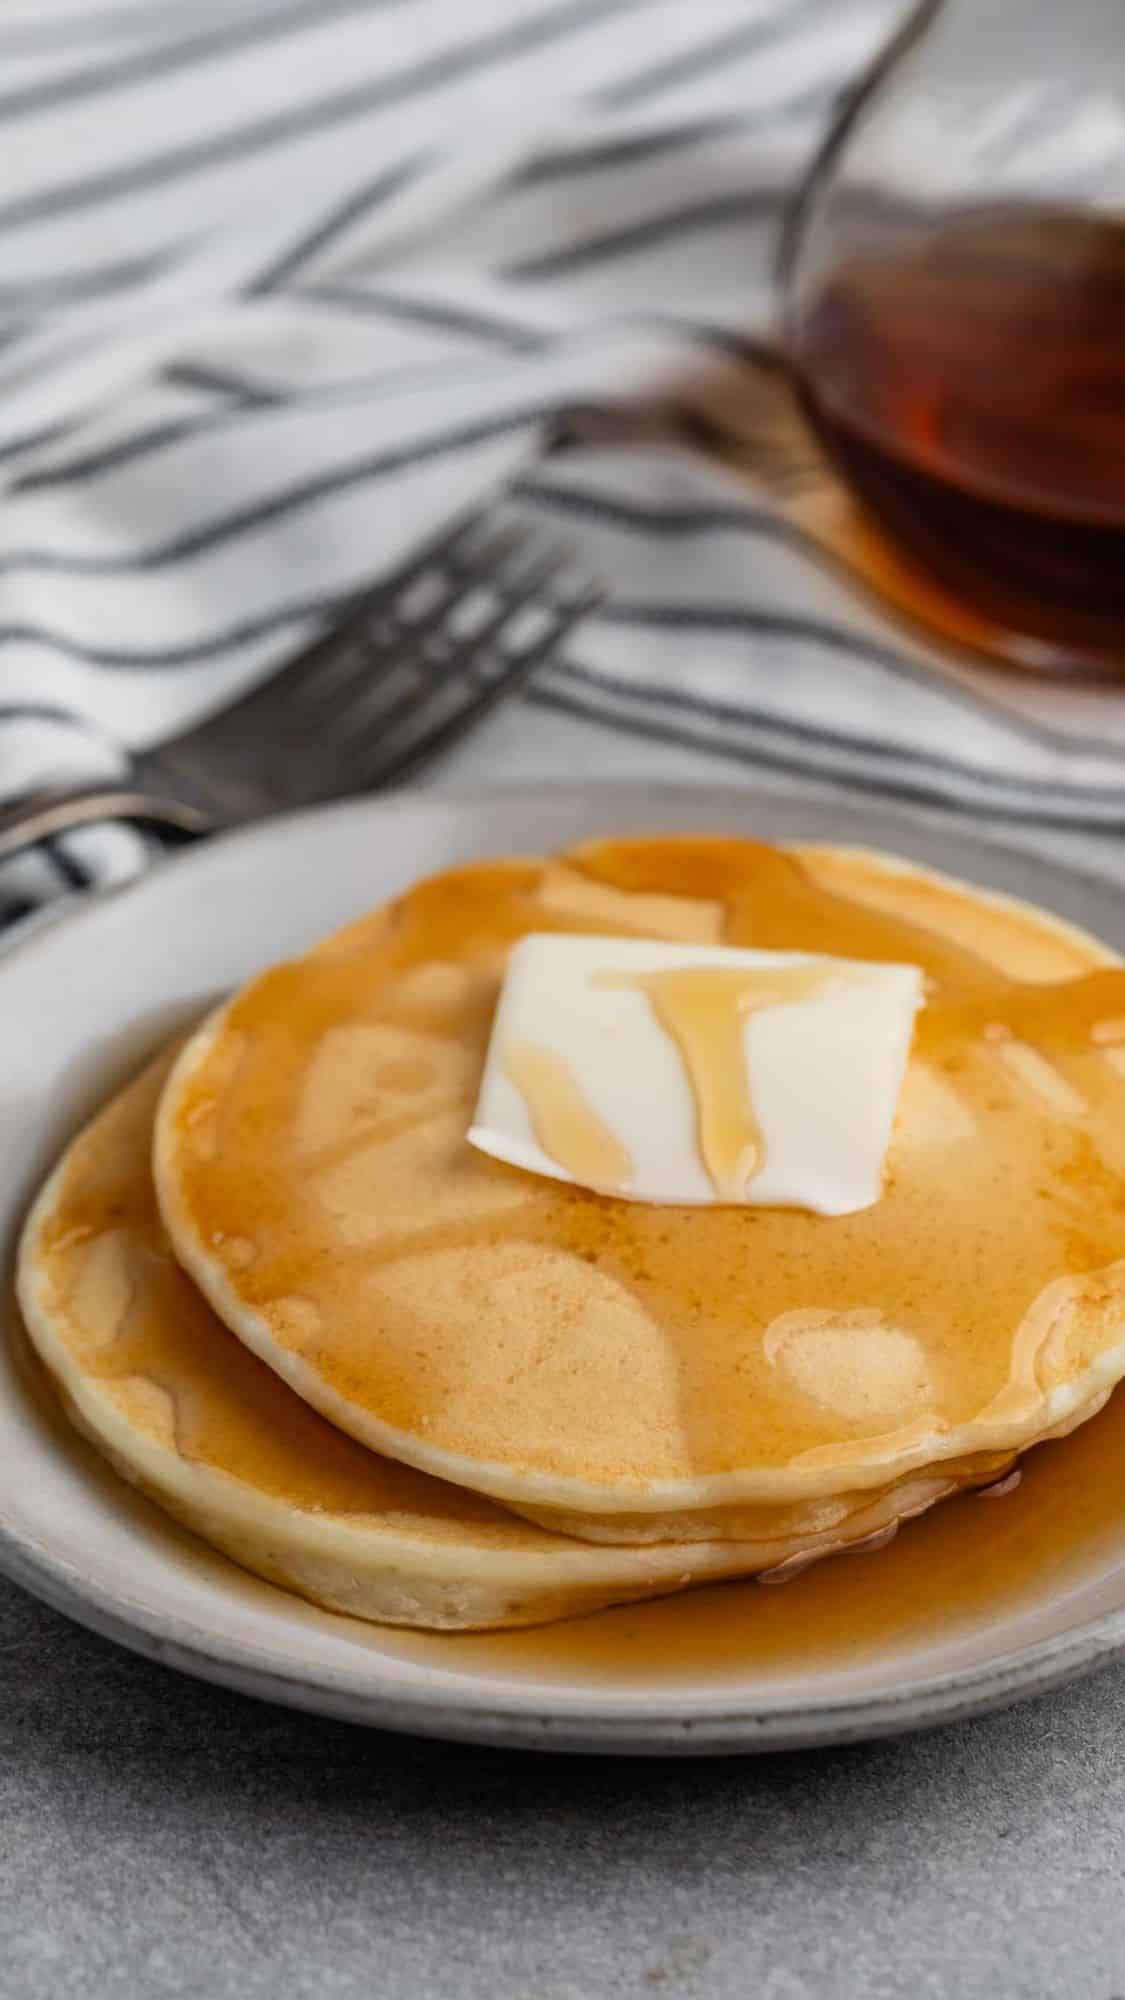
<point x="477" y="1311"/>
<point x="957" y="1571"/>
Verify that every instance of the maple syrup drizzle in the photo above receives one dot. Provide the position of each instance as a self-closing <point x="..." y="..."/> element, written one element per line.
<point x="565" y="1122"/>
<point x="705" y="1009"/>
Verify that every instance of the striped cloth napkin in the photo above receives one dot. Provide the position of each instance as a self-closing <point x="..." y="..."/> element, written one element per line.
<point x="287" y="281"/>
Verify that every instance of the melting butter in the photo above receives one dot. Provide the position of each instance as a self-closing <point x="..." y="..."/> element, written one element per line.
<point x="694" y="1074"/>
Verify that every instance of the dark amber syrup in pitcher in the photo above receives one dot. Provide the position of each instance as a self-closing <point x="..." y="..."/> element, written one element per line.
<point x="971" y="390"/>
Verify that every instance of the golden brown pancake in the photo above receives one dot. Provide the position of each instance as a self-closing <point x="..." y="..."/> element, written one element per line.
<point x="189" y="1415"/>
<point x="635" y="1373"/>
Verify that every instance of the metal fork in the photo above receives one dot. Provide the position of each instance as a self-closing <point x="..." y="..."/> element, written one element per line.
<point x="412" y="664"/>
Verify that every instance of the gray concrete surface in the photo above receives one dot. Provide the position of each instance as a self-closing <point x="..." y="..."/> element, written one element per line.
<point x="162" y="1838"/>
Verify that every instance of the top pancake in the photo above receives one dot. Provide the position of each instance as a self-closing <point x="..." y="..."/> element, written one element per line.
<point x="626" y="1368"/>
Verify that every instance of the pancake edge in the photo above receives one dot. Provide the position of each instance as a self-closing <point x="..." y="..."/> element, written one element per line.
<point x="360" y="1567"/>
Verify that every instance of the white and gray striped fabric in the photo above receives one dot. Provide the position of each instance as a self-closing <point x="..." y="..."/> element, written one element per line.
<point x="286" y="281"/>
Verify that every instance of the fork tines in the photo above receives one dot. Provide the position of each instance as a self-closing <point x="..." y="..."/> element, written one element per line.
<point x="424" y="655"/>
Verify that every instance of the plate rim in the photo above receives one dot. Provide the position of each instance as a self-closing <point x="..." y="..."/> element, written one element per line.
<point x="90" y="905"/>
<point x="528" y="1714"/>
<point x="570" y="1724"/>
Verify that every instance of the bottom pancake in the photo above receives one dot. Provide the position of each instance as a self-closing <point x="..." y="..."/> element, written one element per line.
<point x="188" y="1415"/>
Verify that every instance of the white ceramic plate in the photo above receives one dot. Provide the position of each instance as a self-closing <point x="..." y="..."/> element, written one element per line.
<point x="83" y="1002"/>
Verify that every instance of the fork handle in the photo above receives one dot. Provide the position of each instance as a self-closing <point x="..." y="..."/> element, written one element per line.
<point x="63" y="810"/>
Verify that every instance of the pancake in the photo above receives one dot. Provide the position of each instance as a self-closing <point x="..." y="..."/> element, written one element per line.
<point x="189" y="1415"/>
<point x="631" y="1373"/>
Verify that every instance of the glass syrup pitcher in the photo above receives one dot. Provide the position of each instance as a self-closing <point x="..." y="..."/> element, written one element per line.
<point x="956" y="320"/>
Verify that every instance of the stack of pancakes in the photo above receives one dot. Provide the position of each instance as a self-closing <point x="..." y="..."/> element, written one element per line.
<point x="287" y="1299"/>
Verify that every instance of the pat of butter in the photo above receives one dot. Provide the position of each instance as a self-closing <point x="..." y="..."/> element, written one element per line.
<point x="697" y="1074"/>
